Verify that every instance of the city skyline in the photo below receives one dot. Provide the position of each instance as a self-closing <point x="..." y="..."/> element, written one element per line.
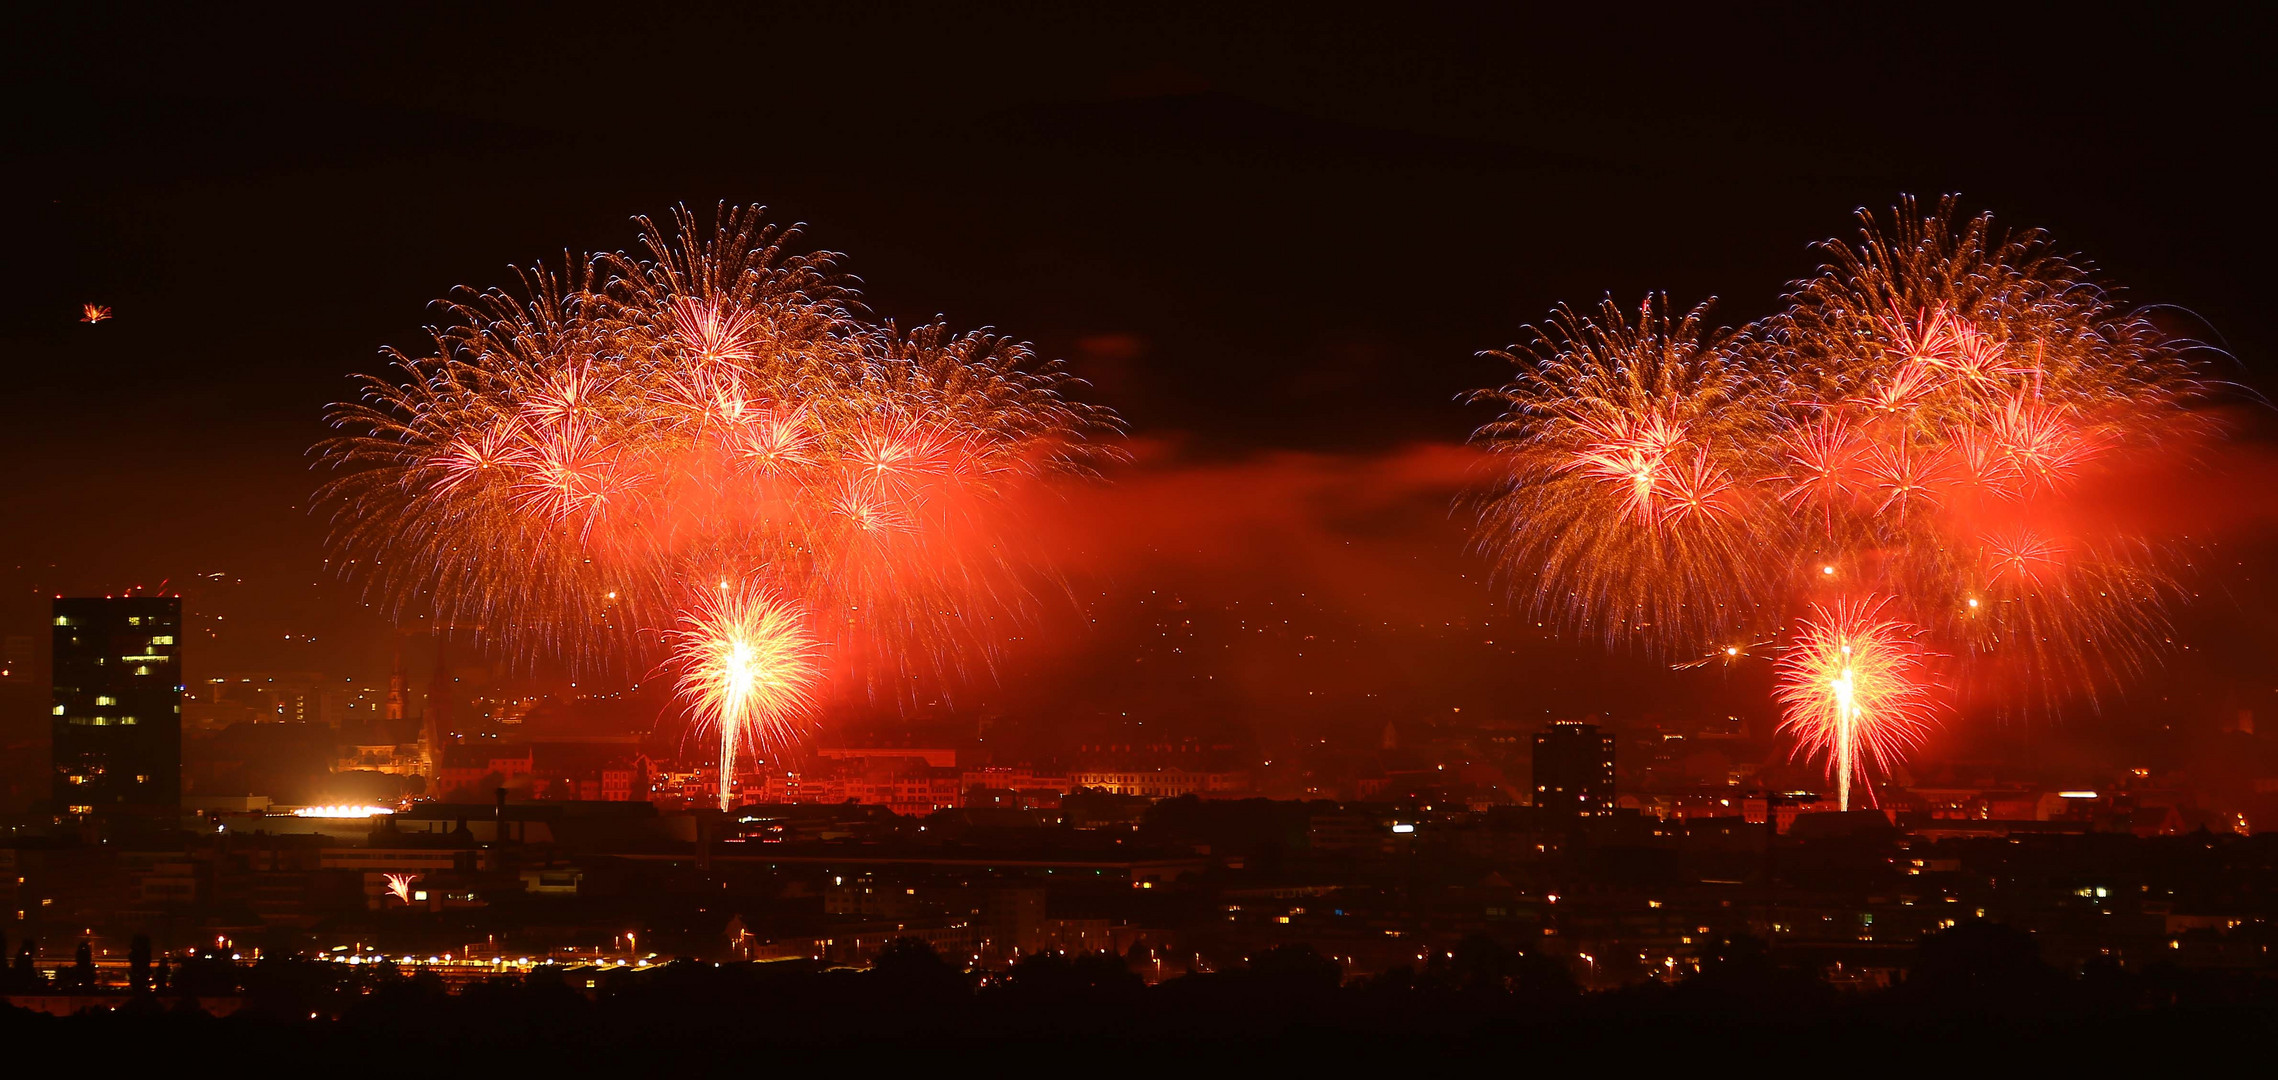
<point x="742" y="528"/>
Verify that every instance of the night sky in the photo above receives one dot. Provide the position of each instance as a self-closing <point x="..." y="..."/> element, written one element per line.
<point x="1273" y="241"/>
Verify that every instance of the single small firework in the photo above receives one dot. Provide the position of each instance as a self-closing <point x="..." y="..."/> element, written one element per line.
<point x="1854" y="687"/>
<point x="399" y="886"/>
<point x="94" y="313"/>
<point x="747" y="668"/>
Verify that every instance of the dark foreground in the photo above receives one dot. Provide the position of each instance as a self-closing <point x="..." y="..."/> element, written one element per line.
<point x="1972" y="999"/>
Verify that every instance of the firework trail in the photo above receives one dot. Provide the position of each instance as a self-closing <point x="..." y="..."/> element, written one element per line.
<point x="399" y="886"/>
<point x="1926" y="421"/>
<point x="1855" y="691"/>
<point x="571" y="464"/>
<point x="748" y="668"/>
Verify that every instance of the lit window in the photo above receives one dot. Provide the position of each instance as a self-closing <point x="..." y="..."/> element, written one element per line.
<point x="106" y="701"/>
<point x="63" y="620"/>
<point x="134" y="620"/>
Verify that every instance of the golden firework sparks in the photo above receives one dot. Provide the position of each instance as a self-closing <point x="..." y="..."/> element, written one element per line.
<point x="1853" y="687"/>
<point x="617" y="430"/>
<point x="747" y="669"/>
<point x="1925" y="420"/>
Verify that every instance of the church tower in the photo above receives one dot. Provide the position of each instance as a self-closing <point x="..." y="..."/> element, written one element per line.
<point x="396" y="690"/>
<point x="435" y="725"/>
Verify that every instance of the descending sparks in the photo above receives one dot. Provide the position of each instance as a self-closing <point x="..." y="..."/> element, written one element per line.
<point x="747" y="668"/>
<point x="94" y="313"/>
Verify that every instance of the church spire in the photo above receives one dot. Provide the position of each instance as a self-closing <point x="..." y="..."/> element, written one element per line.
<point x="435" y="725"/>
<point x="398" y="688"/>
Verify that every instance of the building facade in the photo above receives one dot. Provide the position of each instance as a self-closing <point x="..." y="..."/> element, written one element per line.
<point x="117" y="715"/>
<point x="1574" y="770"/>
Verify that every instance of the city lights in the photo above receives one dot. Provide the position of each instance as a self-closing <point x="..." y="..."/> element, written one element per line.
<point x="493" y="596"/>
<point x="342" y="811"/>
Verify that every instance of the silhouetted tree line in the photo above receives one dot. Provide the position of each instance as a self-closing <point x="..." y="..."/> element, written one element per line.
<point x="22" y="975"/>
<point x="1979" y="977"/>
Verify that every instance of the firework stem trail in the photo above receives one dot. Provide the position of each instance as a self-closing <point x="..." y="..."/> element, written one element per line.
<point x="748" y="667"/>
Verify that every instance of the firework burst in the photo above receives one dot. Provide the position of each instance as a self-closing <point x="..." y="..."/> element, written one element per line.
<point x="1853" y="687"/>
<point x="1926" y="421"/>
<point x="571" y="462"/>
<point x="1984" y="385"/>
<point x="1621" y="504"/>
<point x="747" y="669"/>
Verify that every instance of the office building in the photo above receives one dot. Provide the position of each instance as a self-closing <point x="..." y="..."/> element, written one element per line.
<point x="117" y="715"/>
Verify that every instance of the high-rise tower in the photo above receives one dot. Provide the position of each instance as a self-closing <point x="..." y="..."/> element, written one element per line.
<point x="117" y="720"/>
